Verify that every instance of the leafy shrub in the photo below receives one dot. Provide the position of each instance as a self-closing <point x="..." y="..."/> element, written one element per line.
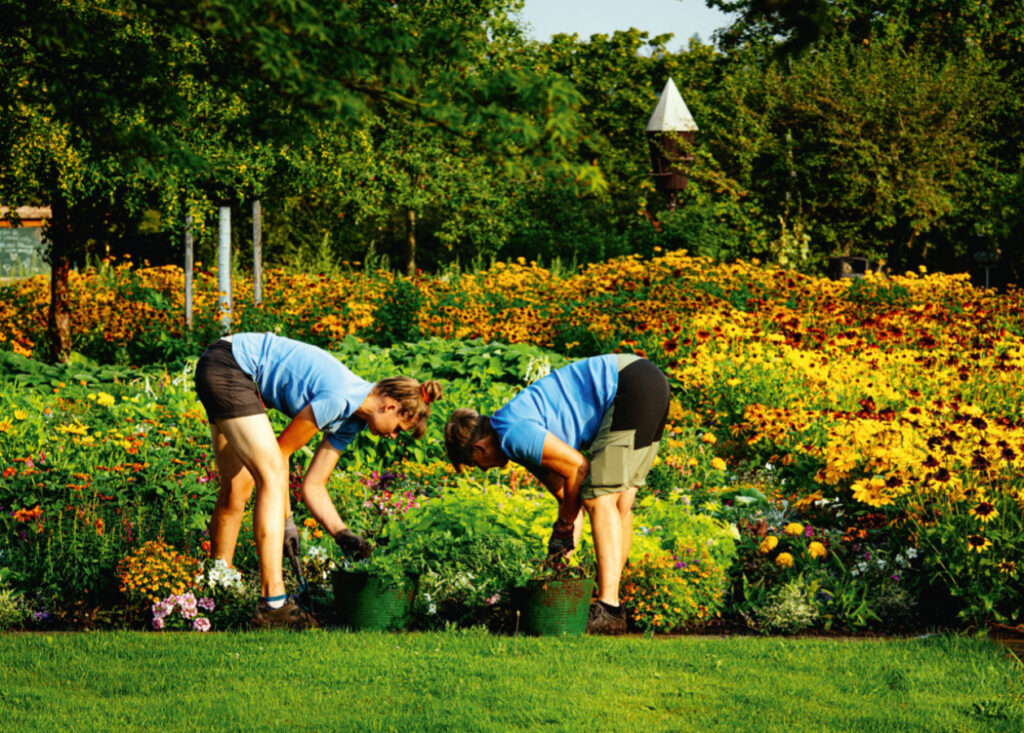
<point x="13" y="609"/>
<point x="670" y="592"/>
<point x="677" y="574"/>
<point x="790" y="608"/>
<point x="396" y="318"/>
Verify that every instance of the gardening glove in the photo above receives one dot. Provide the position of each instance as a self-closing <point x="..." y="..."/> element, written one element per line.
<point x="561" y="542"/>
<point x="352" y="544"/>
<point x="291" y="536"/>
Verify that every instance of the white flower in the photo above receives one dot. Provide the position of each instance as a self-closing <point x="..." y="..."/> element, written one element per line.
<point x="911" y="553"/>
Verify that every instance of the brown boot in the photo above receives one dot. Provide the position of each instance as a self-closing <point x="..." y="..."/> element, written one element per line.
<point x="602" y="621"/>
<point x="289" y="616"/>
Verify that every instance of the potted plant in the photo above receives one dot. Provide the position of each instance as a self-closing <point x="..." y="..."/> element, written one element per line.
<point x="375" y="593"/>
<point x="556" y="601"/>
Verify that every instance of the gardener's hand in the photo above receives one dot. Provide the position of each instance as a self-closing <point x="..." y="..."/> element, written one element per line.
<point x="561" y="542"/>
<point x="352" y="544"/>
<point x="291" y="536"/>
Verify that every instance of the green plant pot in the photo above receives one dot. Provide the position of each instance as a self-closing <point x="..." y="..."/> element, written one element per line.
<point x="363" y="602"/>
<point x="555" y="607"/>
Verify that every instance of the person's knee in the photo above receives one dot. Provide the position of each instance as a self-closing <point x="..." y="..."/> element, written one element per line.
<point x="271" y="472"/>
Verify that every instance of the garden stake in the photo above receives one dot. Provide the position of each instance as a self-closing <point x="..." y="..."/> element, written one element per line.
<point x="304" y="594"/>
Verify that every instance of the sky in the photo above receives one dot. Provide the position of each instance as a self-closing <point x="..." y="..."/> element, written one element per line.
<point x="683" y="18"/>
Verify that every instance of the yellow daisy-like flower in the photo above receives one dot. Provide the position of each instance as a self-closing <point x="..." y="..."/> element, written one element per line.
<point x="985" y="511"/>
<point x="871" y="492"/>
<point x="20" y="414"/>
<point x="794" y="528"/>
<point x="978" y="543"/>
<point x="718" y="463"/>
<point x="692" y="463"/>
<point x="816" y="550"/>
<point x="784" y="559"/>
<point x="708" y="438"/>
<point x="768" y="544"/>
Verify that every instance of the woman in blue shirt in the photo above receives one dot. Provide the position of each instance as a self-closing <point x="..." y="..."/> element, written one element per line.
<point x="237" y="378"/>
<point x="612" y="406"/>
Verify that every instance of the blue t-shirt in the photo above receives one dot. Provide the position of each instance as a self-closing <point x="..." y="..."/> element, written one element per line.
<point x="569" y="403"/>
<point x="291" y="374"/>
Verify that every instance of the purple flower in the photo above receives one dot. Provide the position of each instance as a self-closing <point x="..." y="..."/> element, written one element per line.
<point x="40" y="615"/>
<point x="680" y="565"/>
<point x="808" y="531"/>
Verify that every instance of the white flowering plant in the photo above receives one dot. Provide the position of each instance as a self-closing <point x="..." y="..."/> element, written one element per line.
<point x="230" y="596"/>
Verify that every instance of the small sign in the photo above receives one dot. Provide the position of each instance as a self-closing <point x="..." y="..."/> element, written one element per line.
<point x="22" y="252"/>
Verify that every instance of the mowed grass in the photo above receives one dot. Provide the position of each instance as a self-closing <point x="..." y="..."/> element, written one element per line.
<point x="472" y="681"/>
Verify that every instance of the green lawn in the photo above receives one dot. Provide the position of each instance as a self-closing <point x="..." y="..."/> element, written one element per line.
<point x="472" y="681"/>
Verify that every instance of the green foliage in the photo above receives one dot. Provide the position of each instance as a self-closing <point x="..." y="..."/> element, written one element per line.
<point x="14" y="610"/>
<point x="396" y="317"/>
<point x="790" y="608"/>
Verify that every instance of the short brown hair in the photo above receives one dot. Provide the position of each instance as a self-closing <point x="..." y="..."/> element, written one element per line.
<point x="465" y="426"/>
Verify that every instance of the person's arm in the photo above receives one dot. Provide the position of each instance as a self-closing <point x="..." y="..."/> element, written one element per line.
<point x="567" y="468"/>
<point x="314" y="487"/>
<point x="300" y="431"/>
<point x="314" y="493"/>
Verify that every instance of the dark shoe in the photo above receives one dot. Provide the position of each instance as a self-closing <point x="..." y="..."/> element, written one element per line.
<point x="602" y="621"/>
<point x="289" y="616"/>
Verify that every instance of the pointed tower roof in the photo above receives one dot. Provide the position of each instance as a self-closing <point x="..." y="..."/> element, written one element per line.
<point x="671" y="114"/>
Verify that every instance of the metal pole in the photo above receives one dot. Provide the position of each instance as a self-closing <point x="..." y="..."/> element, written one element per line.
<point x="224" y="267"/>
<point x="189" y="265"/>
<point x="257" y="252"/>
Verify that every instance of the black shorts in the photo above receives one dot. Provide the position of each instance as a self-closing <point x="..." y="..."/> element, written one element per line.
<point x="627" y="441"/>
<point x="223" y="388"/>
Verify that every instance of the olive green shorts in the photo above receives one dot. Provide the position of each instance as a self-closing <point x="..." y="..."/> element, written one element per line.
<point x="627" y="441"/>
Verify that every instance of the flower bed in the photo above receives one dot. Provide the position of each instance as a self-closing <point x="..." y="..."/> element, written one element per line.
<point x="881" y="416"/>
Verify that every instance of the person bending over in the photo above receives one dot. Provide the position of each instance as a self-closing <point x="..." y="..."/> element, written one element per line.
<point x="236" y="379"/>
<point x="613" y="406"/>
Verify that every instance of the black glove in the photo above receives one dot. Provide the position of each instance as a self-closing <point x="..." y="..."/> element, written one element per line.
<point x="561" y="542"/>
<point x="352" y="544"/>
<point x="291" y="536"/>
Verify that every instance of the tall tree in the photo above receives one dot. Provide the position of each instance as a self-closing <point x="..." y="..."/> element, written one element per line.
<point x="132" y="85"/>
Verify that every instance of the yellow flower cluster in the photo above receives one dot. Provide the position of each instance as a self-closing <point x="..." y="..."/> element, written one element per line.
<point x="666" y="592"/>
<point x="155" y="571"/>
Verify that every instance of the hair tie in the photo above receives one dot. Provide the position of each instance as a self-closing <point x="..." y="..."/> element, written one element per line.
<point x="423" y="393"/>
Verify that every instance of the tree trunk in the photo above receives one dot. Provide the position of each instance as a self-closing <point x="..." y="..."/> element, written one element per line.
<point x="58" y="319"/>
<point x="411" y="238"/>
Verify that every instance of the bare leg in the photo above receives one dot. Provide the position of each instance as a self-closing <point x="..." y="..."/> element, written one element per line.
<point x="236" y="487"/>
<point x="611" y="522"/>
<point x="625" y="506"/>
<point x="253" y="442"/>
<point x="606" y="526"/>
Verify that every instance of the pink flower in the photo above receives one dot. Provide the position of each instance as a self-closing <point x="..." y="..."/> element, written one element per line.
<point x="201" y="624"/>
<point x="158" y="622"/>
<point x="207" y="604"/>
